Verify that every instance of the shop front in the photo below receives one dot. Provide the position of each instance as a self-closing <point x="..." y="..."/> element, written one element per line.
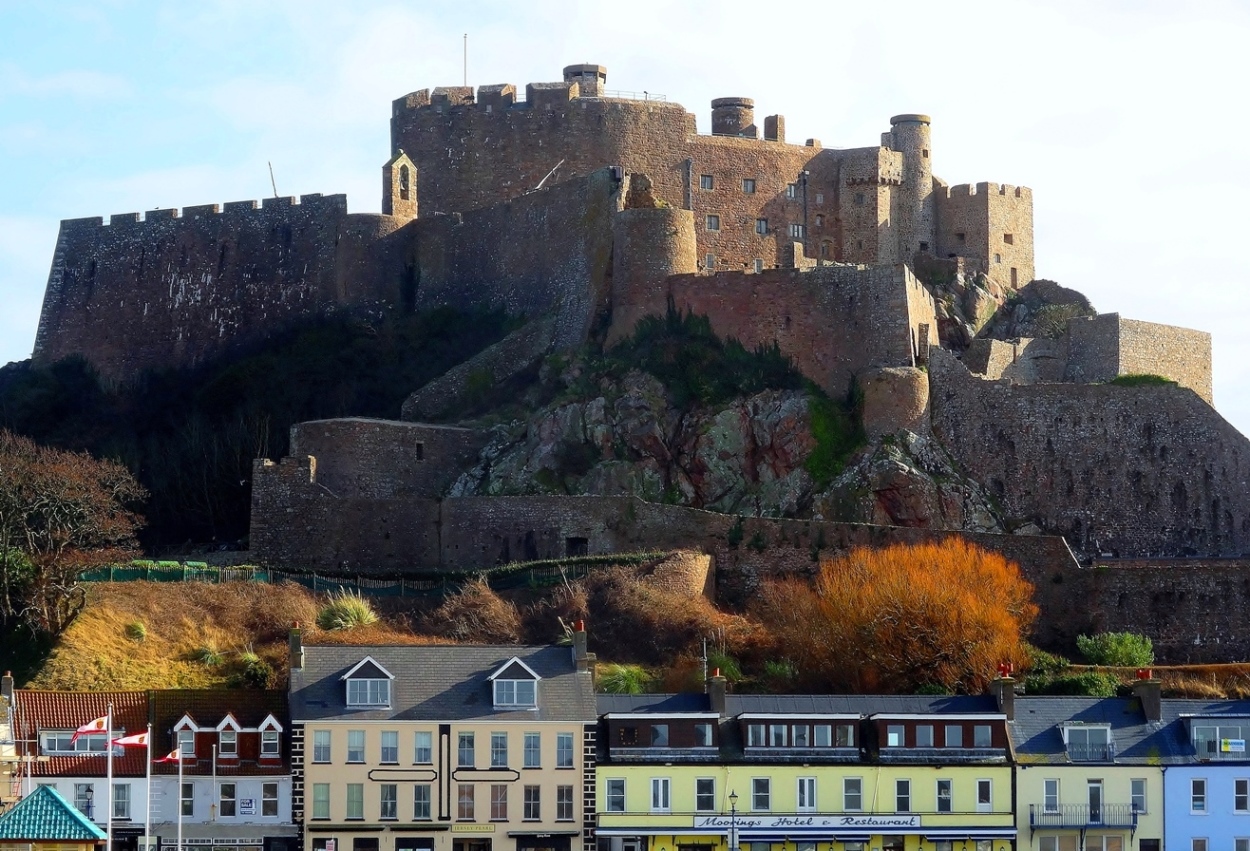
<point x="817" y="832"/>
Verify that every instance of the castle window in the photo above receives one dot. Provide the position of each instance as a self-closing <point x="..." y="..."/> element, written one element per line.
<point x="705" y="181"/>
<point x="797" y="231"/>
<point x="713" y="222"/>
<point x="761" y="226"/>
<point x="1014" y="275"/>
<point x="820" y="197"/>
<point x="998" y="258"/>
<point x="859" y="243"/>
<point x="759" y="265"/>
<point x="709" y="262"/>
<point x="1010" y="239"/>
<point x="962" y="237"/>
<point x="403" y="183"/>
<point x="792" y="190"/>
<point x="859" y="199"/>
<point x="924" y="152"/>
<point x="820" y="221"/>
<point x="924" y="246"/>
<point x="748" y="185"/>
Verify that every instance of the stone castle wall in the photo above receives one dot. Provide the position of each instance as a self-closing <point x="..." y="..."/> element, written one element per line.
<point x="172" y="289"/>
<point x="834" y="321"/>
<point x="1117" y="470"/>
<point x="990" y="224"/>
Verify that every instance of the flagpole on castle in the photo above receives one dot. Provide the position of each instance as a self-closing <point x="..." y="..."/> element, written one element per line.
<point x="108" y="743"/>
<point x="179" y="796"/>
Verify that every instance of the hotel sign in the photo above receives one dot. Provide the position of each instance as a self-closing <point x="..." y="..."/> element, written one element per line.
<point x="1232" y="745"/>
<point x="741" y="823"/>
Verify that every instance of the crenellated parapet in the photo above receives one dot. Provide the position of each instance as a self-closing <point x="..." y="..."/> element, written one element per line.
<point x="991" y="225"/>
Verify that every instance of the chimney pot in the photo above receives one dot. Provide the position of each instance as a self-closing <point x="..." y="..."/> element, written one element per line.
<point x="1150" y="692"/>
<point x="1004" y="690"/>
<point x="295" y="645"/>
<point x="581" y="647"/>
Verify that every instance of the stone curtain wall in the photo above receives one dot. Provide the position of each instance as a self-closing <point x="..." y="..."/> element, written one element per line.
<point x="172" y="290"/>
<point x="1180" y="354"/>
<point x="1129" y="471"/>
<point x="986" y="214"/>
<point x="548" y="251"/>
<point x="1024" y="361"/>
<point x="834" y="321"/>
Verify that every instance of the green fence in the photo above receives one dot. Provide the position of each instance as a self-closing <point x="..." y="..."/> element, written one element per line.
<point x="534" y="574"/>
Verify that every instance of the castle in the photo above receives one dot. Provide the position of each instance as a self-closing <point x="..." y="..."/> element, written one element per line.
<point x="584" y="210"/>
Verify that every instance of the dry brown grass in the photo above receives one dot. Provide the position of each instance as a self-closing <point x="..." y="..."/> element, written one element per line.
<point x="180" y="619"/>
<point x="477" y="615"/>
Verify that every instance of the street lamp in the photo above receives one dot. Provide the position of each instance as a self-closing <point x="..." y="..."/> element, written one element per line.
<point x="733" y="821"/>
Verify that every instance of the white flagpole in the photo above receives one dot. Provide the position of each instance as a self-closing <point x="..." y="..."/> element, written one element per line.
<point x="179" y="796"/>
<point x="147" y="813"/>
<point x="108" y="743"/>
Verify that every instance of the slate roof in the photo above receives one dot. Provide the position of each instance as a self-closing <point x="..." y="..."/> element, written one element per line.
<point x="208" y="708"/>
<point x="68" y="710"/>
<point x="660" y="704"/>
<point x="439" y="682"/>
<point x="801" y="704"/>
<point x="45" y="816"/>
<point x="1037" y="737"/>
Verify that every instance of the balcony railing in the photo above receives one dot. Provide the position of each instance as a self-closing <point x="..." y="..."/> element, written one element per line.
<point x="1092" y="753"/>
<point x="1083" y="815"/>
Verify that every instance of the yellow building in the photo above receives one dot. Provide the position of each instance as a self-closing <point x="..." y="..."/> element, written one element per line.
<point x="443" y="748"/>
<point x="1090" y="771"/>
<point x="803" y="773"/>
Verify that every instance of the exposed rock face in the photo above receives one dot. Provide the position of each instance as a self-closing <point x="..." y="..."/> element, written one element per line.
<point x="908" y="480"/>
<point x="1040" y="309"/>
<point x="746" y="457"/>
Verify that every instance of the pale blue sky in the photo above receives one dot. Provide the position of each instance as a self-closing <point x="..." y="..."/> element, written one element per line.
<point x="1127" y="119"/>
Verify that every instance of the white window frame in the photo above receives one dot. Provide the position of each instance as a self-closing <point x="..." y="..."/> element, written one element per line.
<point x="949" y="798"/>
<point x="985" y="783"/>
<point x="228" y="744"/>
<point x="565" y="753"/>
<point x="388" y="754"/>
<point x="368" y="692"/>
<point x="466" y="746"/>
<point x="614" y="795"/>
<point x="270" y="743"/>
<point x="516" y="693"/>
<point x="1198" y="796"/>
<point x="498" y="749"/>
<point x="532" y="751"/>
<point x="805" y="795"/>
<point x="761" y="795"/>
<point x="757" y="736"/>
<point x="354" y="802"/>
<point x="1241" y="795"/>
<point x="705" y="798"/>
<point x="924" y="735"/>
<point x="423" y="747"/>
<point x="422" y="803"/>
<point x="902" y="792"/>
<point x="121" y="801"/>
<point x="858" y="794"/>
<point x="269" y="800"/>
<point x="564" y="802"/>
<point x="388" y="799"/>
<point x="661" y="794"/>
<point x="318" y="745"/>
<point x="1135" y="795"/>
<point x="227" y="800"/>
<point x="1047" y="806"/>
<point x="356" y="741"/>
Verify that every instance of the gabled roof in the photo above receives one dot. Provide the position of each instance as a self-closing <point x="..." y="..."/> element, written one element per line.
<point x="1037" y="733"/>
<point x="207" y="709"/>
<point x="368" y="669"/>
<point x="514" y="669"/>
<point x="45" y="816"/>
<point x="36" y="711"/>
<point x="440" y="682"/>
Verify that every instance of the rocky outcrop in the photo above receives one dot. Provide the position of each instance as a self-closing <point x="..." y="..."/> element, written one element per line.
<point x="745" y="457"/>
<point x="1040" y="309"/>
<point x="908" y="479"/>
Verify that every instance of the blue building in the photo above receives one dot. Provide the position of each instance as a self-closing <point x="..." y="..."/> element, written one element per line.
<point x="1207" y="799"/>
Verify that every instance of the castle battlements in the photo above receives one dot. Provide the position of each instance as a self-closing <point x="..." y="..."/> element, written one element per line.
<point x="966" y="190"/>
<point x="313" y="203"/>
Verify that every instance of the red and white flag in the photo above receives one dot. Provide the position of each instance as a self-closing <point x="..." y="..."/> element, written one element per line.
<point x="138" y="740"/>
<point x="99" y="725"/>
<point x="174" y="756"/>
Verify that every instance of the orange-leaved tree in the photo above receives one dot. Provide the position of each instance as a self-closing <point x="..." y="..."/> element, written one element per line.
<point x="901" y="618"/>
<point x="60" y="513"/>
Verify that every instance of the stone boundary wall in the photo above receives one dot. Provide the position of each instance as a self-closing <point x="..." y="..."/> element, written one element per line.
<point x="170" y="290"/>
<point x="1117" y="470"/>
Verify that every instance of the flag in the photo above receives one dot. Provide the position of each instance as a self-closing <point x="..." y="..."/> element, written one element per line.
<point x="174" y="756"/>
<point x="138" y="740"/>
<point x="99" y="725"/>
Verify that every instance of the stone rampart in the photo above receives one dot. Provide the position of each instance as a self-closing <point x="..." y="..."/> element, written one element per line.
<point x="1105" y="346"/>
<point x="834" y="321"/>
<point x="1023" y="361"/>
<point x="549" y="251"/>
<point x="170" y="290"/>
<point x="1127" y="471"/>
<point x="991" y="224"/>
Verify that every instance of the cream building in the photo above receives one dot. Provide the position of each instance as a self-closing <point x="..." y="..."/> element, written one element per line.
<point x="443" y="748"/>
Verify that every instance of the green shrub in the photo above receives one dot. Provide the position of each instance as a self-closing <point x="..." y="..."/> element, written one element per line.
<point x="208" y="654"/>
<point x="1041" y="662"/>
<point x="1117" y="649"/>
<point x="1142" y="380"/>
<point x="346" y="610"/>
<point x="623" y="679"/>
<point x="729" y="667"/>
<point x="256" y="673"/>
<point x="933" y="689"/>
<point x="136" y="631"/>
<point x="1088" y="684"/>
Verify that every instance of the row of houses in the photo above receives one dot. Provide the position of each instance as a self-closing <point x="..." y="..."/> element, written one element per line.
<point x="506" y="748"/>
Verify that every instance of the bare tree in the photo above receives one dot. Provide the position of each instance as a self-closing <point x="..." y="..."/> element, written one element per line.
<point x="60" y="513"/>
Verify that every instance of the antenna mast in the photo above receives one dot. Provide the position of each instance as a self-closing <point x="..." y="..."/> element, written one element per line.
<point x="466" y="59"/>
<point x="273" y="182"/>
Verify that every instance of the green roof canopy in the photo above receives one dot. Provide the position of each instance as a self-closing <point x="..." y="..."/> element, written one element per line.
<point x="44" y="816"/>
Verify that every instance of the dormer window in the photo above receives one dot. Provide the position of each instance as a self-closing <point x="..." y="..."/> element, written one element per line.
<point x="1088" y="744"/>
<point x="228" y="743"/>
<point x="368" y="684"/>
<point x="515" y="685"/>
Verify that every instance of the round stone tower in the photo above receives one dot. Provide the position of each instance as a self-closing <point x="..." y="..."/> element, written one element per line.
<point x="733" y="117"/>
<point x="914" y="219"/>
<point x="590" y="79"/>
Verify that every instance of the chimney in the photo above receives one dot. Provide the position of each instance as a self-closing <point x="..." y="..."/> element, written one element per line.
<point x="715" y="688"/>
<point x="1149" y="690"/>
<point x="6" y="687"/>
<point x="295" y="643"/>
<point x="1003" y="687"/>
<point x="581" y="656"/>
